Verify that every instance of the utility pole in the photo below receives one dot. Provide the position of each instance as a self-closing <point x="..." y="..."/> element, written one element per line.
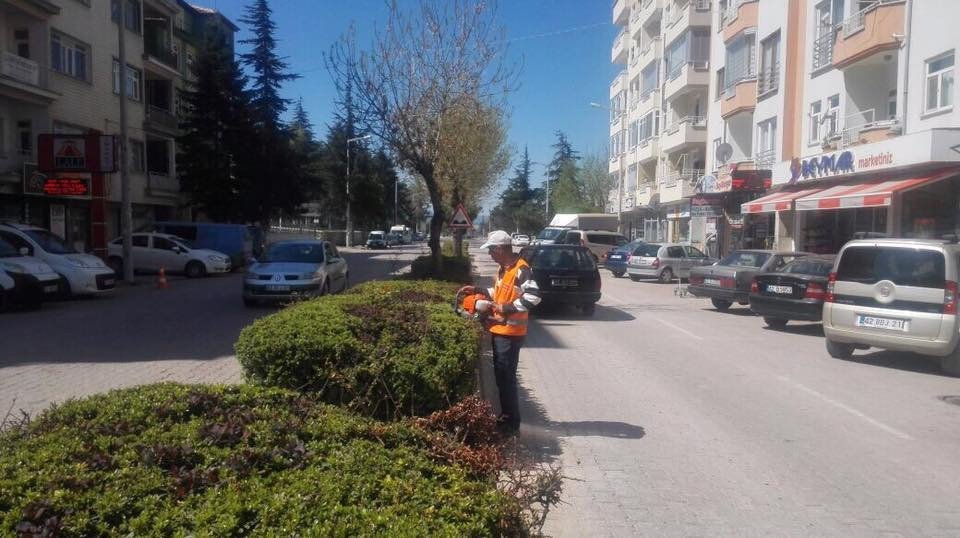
<point x="349" y="241"/>
<point x="396" y="194"/>
<point x="126" y="209"/>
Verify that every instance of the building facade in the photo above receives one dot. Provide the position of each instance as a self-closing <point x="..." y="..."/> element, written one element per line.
<point x="826" y="120"/>
<point x="61" y="74"/>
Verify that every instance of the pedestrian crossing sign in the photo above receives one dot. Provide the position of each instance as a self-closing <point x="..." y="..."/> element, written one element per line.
<point x="460" y="219"/>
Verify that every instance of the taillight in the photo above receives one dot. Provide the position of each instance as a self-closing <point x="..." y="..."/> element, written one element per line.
<point x="754" y="287"/>
<point x="696" y="279"/>
<point x="950" y="297"/>
<point x="656" y="263"/>
<point x="815" y="291"/>
<point x="728" y="282"/>
<point x="831" y="284"/>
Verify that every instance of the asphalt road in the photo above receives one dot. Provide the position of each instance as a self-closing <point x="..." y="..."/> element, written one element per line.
<point x="141" y="334"/>
<point x="670" y="418"/>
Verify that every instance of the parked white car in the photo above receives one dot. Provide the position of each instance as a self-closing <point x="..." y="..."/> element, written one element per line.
<point x="155" y="251"/>
<point x="83" y="274"/>
<point x="14" y="262"/>
<point x="521" y="240"/>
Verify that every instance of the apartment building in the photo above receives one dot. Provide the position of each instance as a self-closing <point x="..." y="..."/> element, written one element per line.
<point x="831" y="119"/>
<point x="60" y="73"/>
<point x="658" y="107"/>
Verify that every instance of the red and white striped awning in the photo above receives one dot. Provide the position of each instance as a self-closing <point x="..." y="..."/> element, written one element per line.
<point x="870" y="194"/>
<point x="778" y="201"/>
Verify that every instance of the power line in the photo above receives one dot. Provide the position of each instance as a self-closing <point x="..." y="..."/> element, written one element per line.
<point x="555" y="32"/>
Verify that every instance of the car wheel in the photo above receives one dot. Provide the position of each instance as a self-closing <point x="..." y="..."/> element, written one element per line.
<point x="618" y="274"/>
<point x="838" y="350"/>
<point x="346" y="282"/>
<point x="195" y="269"/>
<point x="775" y="323"/>
<point x="4" y="300"/>
<point x="721" y="304"/>
<point x="116" y="264"/>
<point x="950" y="364"/>
<point x="64" y="292"/>
<point x="666" y="276"/>
<point x="589" y="309"/>
<point x="248" y="302"/>
<point x="325" y="289"/>
<point x="635" y="278"/>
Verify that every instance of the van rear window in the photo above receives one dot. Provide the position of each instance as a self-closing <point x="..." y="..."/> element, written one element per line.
<point x="902" y="266"/>
<point x="562" y="259"/>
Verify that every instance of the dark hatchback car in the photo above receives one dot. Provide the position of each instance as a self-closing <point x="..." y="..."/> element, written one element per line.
<point x="728" y="281"/>
<point x="566" y="275"/>
<point x="617" y="257"/>
<point x="795" y="292"/>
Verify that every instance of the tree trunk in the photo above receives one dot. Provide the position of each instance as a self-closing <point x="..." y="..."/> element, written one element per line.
<point x="458" y="242"/>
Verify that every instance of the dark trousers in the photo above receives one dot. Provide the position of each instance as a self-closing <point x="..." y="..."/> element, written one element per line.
<point x="506" y="355"/>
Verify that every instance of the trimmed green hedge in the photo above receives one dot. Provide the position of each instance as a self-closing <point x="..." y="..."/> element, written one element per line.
<point x="385" y="349"/>
<point x="177" y="460"/>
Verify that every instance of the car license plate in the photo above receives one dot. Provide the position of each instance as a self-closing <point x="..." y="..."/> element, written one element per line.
<point x="274" y="287"/>
<point x="109" y="282"/>
<point x="50" y="289"/>
<point x="564" y="282"/>
<point x="782" y="290"/>
<point x="883" y="323"/>
<point x="711" y="282"/>
<point x="614" y="256"/>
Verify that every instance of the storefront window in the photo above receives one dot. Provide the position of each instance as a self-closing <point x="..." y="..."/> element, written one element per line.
<point x="931" y="212"/>
<point x="826" y="231"/>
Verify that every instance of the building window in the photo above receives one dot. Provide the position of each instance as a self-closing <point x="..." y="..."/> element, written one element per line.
<point x="631" y="179"/>
<point x="833" y="115"/>
<point x="134" y="81"/>
<point x="766" y="142"/>
<point x="939" y="83"/>
<point x="648" y="80"/>
<point x="69" y="56"/>
<point x="21" y="39"/>
<point x="829" y="15"/>
<point x="131" y="13"/>
<point x="741" y="63"/>
<point x="769" y="79"/>
<point x="721" y="73"/>
<point x="158" y="157"/>
<point x="137" y="156"/>
<point x="892" y="105"/>
<point x="692" y="47"/>
<point x="25" y="137"/>
<point x="647" y="128"/>
<point x="633" y="134"/>
<point x="816" y="115"/>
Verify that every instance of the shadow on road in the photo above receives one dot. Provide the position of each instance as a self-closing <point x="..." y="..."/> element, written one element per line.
<point x="806" y="329"/>
<point x="908" y="362"/>
<point x="734" y="311"/>
<point x="566" y="312"/>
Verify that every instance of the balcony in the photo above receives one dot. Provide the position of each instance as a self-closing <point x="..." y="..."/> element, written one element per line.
<point x="688" y="77"/>
<point x="679" y="185"/>
<point x="686" y="131"/>
<point x="768" y="80"/>
<point x="157" y="48"/>
<point x="621" y="12"/>
<point x="650" y="10"/>
<point x="738" y="19"/>
<point x="649" y="101"/>
<point x="823" y="50"/>
<point x="162" y="184"/>
<point x="25" y="80"/>
<point x="695" y="13"/>
<point x="619" y="83"/>
<point x="620" y="47"/>
<point x="648" y="150"/>
<point x="868" y="32"/>
<point x="864" y="128"/>
<point x="162" y="120"/>
<point x="739" y="97"/>
<point x="765" y="158"/>
<point x="651" y="50"/>
<point x="645" y="193"/>
<point x="11" y="165"/>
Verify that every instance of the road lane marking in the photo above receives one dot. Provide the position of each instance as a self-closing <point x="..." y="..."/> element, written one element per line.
<point x="680" y="329"/>
<point x="892" y="431"/>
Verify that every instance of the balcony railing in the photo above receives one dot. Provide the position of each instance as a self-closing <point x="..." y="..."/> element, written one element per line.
<point x="11" y="162"/>
<point x="765" y="158"/>
<point x="857" y="21"/>
<point x="768" y="80"/>
<point x="823" y="49"/>
<point x="688" y="175"/>
<point x="730" y="86"/>
<point x="162" y="117"/>
<point x="25" y="71"/>
<point x="854" y="124"/>
<point x="163" y="182"/>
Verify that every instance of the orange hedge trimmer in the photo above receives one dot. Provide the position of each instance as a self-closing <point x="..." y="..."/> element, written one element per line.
<point x="475" y="306"/>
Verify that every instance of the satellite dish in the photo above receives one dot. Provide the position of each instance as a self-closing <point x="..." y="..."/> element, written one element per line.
<point x="724" y="152"/>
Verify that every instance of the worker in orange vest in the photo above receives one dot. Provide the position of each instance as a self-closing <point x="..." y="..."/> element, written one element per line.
<point x="513" y="295"/>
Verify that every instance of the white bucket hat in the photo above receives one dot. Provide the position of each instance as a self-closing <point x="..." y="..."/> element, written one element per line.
<point x="498" y="238"/>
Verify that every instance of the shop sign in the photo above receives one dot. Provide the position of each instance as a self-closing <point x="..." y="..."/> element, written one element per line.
<point x="735" y="221"/>
<point x="679" y="212"/>
<point x="77" y="153"/>
<point x="58" y="220"/>
<point x="66" y="186"/>
<point x="704" y="207"/>
<point x="821" y="166"/>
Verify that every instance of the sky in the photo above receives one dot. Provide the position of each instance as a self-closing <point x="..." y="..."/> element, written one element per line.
<point x="562" y="46"/>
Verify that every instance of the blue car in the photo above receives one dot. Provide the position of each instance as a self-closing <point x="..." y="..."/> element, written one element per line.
<point x="617" y="257"/>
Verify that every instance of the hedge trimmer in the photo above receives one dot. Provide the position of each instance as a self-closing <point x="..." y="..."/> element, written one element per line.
<point x="472" y="305"/>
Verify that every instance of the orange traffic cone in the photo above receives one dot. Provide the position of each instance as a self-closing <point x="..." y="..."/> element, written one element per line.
<point x="162" y="280"/>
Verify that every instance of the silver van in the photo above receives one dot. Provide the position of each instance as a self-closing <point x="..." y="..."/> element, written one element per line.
<point x="665" y="261"/>
<point x="599" y="242"/>
<point x="896" y="294"/>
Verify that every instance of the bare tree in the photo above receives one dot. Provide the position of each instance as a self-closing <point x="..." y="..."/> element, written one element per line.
<point x="421" y="72"/>
<point x="597" y="181"/>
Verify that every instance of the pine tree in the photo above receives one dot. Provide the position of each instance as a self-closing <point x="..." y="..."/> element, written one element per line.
<point x="566" y="191"/>
<point x="518" y="189"/>
<point x="214" y="131"/>
<point x="269" y="70"/>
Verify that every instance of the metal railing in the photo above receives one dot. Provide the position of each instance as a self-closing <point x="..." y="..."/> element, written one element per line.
<point x="857" y="21"/>
<point x="162" y="117"/>
<point x="695" y="121"/>
<point x="823" y="49"/>
<point x="11" y="162"/>
<point x="702" y="5"/>
<point x="731" y="13"/>
<point x="730" y="88"/>
<point x="686" y="175"/>
<point x="25" y="71"/>
<point x="854" y="124"/>
<point x="768" y="80"/>
<point x="765" y="157"/>
<point x="163" y="182"/>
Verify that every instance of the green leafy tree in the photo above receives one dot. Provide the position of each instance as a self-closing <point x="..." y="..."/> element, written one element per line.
<point x="566" y="190"/>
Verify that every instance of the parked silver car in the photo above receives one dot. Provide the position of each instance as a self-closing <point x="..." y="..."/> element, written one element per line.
<point x="295" y="269"/>
<point x="897" y="294"/>
<point x="665" y="261"/>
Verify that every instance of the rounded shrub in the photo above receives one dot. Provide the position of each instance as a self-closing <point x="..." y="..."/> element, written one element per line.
<point x="385" y="350"/>
<point x="178" y="460"/>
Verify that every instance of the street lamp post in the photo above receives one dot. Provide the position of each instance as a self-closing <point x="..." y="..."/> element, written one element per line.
<point x="622" y="152"/>
<point x="349" y="241"/>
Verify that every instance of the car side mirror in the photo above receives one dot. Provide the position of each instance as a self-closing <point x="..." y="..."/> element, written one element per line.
<point x="178" y="250"/>
<point x="24" y="251"/>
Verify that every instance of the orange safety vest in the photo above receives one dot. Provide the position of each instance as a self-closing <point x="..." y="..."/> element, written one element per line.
<point x="506" y="291"/>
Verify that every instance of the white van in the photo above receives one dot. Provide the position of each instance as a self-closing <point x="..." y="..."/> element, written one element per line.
<point x="599" y="242"/>
<point x="12" y="261"/>
<point x="406" y="236"/>
<point x="83" y="274"/>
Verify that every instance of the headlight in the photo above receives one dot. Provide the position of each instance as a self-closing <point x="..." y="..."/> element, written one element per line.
<point x="15" y="267"/>
<point x="308" y="276"/>
<point x="78" y="263"/>
<point x="215" y="258"/>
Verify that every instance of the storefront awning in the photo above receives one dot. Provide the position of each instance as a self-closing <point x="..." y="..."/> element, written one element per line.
<point x="778" y="201"/>
<point x="871" y="194"/>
